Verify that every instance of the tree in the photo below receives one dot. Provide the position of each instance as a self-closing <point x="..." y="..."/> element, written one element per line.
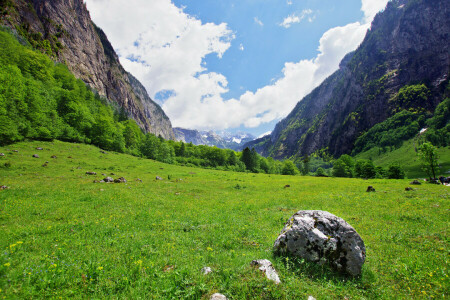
<point x="343" y="167"/>
<point x="429" y="158"/>
<point x="289" y="168"/>
<point x="395" y="172"/>
<point x="306" y="160"/>
<point x="250" y="159"/>
<point x="320" y="172"/>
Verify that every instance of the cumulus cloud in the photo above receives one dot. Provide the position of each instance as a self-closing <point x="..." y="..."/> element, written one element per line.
<point x="165" y="48"/>
<point x="294" y="18"/>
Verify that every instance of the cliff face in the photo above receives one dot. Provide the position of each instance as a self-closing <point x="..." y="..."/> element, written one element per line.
<point x="64" y="30"/>
<point x="407" y="44"/>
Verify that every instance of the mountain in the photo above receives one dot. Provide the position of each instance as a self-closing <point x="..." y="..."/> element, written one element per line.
<point x="64" y="31"/>
<point x="401" y="66"/>
<point x="224" y="140"/>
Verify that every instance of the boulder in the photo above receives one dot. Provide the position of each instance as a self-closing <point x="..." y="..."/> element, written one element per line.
<point x="120" y="180"/>
<point x="108" y="179"/>
<point x="265" y="266"/>
<point x="218" y="296"/>
<point x="370" y="189"/>
<point x="321" y="237"/>
<point x="415" y="182"/>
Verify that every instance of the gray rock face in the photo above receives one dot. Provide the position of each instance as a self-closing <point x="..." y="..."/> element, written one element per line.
<point x="86" y="51"/>
<point x="265" y="266"/>
<point x="321" y="237"/>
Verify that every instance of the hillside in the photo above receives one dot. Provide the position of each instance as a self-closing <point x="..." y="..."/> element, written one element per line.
<point x="62" y="235"/>
<point x="64" y="31"/>
<point x="402" y="65"/>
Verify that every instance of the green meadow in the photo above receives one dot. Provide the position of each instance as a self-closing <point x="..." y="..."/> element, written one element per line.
<point x="62" y="235"/>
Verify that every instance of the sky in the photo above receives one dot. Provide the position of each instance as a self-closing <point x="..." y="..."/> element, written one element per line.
<point x="235" y="65"/>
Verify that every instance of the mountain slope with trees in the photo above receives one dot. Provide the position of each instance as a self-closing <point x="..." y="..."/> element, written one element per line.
<point x="400" y="71"/>
<point x="64" y="31"/>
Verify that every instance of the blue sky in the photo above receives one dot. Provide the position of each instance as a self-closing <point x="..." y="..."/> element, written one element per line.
<point x="232" y="65"/>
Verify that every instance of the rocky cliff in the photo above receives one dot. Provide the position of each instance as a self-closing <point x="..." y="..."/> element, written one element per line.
<point x="64" y="30"/>
<point x="407" y="44"/>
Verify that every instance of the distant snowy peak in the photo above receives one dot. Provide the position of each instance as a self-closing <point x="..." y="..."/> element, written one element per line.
<point x="223" y="139"/>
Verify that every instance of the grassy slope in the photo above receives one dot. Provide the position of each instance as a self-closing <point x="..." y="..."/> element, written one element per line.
<point x="62" y="235"/>
<point x="408" y="159"/>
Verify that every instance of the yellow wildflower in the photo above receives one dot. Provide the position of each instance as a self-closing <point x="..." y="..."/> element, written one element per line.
<point x="7" y="264"/>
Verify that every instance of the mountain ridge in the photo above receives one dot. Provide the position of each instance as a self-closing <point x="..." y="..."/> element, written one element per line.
<point x="406" y="45"/>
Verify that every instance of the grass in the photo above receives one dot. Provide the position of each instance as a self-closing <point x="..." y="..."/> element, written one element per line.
<point x="406" y="157"/>
<point x="61" y="235"/>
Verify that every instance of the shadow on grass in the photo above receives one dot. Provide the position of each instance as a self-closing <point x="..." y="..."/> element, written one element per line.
<point x="326" y="274"/>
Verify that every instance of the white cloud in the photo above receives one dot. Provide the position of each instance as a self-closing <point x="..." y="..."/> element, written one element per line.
<point x="165" y="48"/>
<point x="292" y="19"/>
<point x="241" y="47"/>
<point x="289" y="2"/>
<point x="371" y="8"/>
<point x="258" y="21"/>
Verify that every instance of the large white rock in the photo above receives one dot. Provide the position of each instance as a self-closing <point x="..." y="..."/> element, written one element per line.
<point x="321" y="237"/>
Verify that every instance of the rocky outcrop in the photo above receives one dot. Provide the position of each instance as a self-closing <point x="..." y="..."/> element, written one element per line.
<point x="407" y="44"/>
<point x="64" y="30"/>
<point x="321" y="237"/>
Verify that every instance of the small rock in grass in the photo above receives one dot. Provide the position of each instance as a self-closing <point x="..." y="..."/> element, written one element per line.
<point x="206" y="270"/>
<point x="158" y="178"/>
<point x="53" y="156"/>
<point x="45" y="165"/>
<point x="91" y="173"/>
<point x="35" y="156"/>
<point x="69" y="156"/>
<point x="370" y="189"/>
<point x="96" y="181"/>
<point x="137" y="179"/>
<point x="409" y="189"/>
<point x="415" y="182"/>
<point x="287" y="186"/>
<point x="2" y="154"/>
<point x="4" y="187"/>
<point x="104" y="152"/>
<point x="39" y="148"/>
<point x="311" y="298"/>
<point x="321" y="237"/>
<point x="78" y="168"/>
<point x="108" y="179"/>
<point x="266" y="266"/>
<point x="218" y="296"/>
<point x="16" y="151"/>
<point x="112" y="174"/>
<point x="120" y="180"/>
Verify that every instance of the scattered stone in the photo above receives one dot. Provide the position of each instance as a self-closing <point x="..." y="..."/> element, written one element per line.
<point x="177" y="194"/>
<point x="91" y="173"/>
<point x="287" y="186"/>
<point x="409" y="189"/>
<point x="321" y="237"/>
<point x="158" y="178"/>
<point x="69" y="156"/>
<point x="137" y="179"/>
<point x="168" y="268"/>
<point x="266" y="266"/>
<point x="218" y="296"/>
<point x="206" y="270"/>
<point x="370" y="189"/>
<point x="45" y="165"/>
<point x="108" y="179"/>
<point x="53" y="156"/>
<point x="79" y="167"/>
<point x="39" y="148"/>
<point x="35" y="156"/>
<point x="2" y="154"/>
<point x="104" y="152"/>
<point x="103" y="174"/>
<point x="192" y="173"/>
<point x="120" y="180"/>
<point x="311" y="298"/>
<point x="161" y="168"/>
<point x="16" y="151"/>
<point x="102" y="181"/>
<point x="112" y="174"/>
<point x="415" y="182"/>
<point x="4" y="187"/>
